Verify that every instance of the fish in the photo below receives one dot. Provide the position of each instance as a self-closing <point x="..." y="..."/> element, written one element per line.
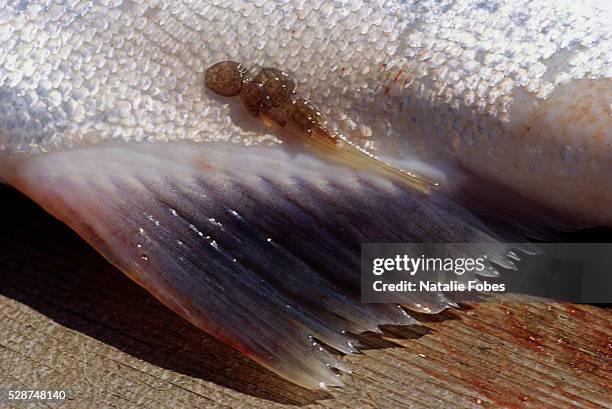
<point x="252" y="232"/>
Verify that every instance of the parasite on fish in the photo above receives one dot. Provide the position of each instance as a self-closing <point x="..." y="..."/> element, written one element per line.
<point x="271" y="95"/>
<point x="270" y="92"/>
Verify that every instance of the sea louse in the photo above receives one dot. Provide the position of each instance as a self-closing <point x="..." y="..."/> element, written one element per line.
<point x="270" y="92"/>
<point x="271" y="95"/>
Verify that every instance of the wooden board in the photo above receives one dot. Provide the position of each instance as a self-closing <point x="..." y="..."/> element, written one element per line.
<point x="68" y="320"/>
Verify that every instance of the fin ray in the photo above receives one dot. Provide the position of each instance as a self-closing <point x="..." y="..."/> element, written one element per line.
<point x="259" y="246"/>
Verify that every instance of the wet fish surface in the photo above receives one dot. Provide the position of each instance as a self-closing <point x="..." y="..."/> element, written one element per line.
<point x="253" y="235"/>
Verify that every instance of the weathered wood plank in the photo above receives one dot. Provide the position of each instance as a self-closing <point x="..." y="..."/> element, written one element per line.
<point x="69" y="320"/>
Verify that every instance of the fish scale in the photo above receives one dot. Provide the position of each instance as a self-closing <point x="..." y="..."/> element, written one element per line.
<point x="134" y="72"/>
<point x="174" y="64"/>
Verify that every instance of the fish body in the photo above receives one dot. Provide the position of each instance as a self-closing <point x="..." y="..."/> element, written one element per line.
<point x="106" y="122"/>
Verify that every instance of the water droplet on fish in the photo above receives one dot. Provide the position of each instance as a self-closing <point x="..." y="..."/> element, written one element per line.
<point x="214" y="245"/>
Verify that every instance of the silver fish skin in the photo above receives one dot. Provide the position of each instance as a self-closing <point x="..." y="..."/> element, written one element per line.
<point x="254" y="238"/>
<point x="517" y="91"/>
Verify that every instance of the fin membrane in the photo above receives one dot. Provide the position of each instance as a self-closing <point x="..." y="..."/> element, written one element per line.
<point x="258" y="246"/>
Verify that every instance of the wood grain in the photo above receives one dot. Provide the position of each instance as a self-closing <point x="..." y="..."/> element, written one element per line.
<point x="69" y="320"/>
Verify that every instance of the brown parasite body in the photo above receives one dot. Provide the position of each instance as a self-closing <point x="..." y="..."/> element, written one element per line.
<point x="271" y="95"/>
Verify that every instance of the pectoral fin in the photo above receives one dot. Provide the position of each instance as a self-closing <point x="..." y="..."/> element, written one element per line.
<point x="258" y="246"/>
